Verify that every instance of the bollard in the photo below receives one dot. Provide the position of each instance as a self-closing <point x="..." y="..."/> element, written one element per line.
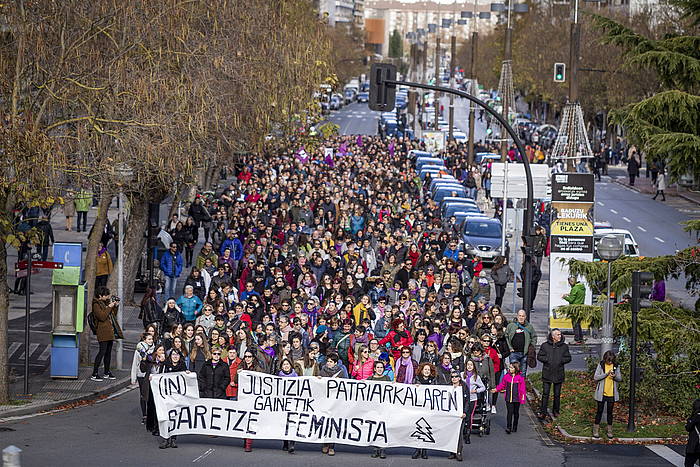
<point x="10" y="456"/>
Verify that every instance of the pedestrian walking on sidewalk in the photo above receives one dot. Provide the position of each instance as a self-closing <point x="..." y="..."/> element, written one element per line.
<point x="660" y="186"/>
<point x="692" y="448"/>
<point x="553" y="354"/>
<point x="69" y="209"/>
<point x="520" y="335"/>
<point x="513" y="384"/>
<point x="633" y="165"/>
<point x="104" y="309"/>
<point x="82" y="201"/>
<point x="607" y="375"/>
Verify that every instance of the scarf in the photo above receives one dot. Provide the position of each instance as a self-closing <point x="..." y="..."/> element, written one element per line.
<point x="291" y="374"/>
<point x="101" y="252"/>
<point x="469" y="375"/>
<point x="408" y="375"/>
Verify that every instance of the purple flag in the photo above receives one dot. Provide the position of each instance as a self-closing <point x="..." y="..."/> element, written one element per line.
<point x="302" y="156"/>
<point x="343" y="149"/>
<point x="359" y="140"/>
<point x="391" y="149"/>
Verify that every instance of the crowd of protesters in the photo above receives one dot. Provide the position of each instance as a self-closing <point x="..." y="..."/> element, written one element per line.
<point x="337" y="267"/>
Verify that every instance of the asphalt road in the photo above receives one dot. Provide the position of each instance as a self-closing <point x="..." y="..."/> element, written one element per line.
<point x="355" y="119"/>
<point x="109" y="433"/>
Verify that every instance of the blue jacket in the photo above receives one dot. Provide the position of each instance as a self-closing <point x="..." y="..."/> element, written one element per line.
<point x="167" y="266"/>
<point x="235" y="246"/>
<point x="452" y="254"/>
<point x="190" y="307"/>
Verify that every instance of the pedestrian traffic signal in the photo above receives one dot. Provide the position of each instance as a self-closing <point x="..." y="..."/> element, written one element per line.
<point x="642" y="283"/>
<point x="559" y="72"/>
<point x="382" y="95"/>
<point x="489" y="131"/>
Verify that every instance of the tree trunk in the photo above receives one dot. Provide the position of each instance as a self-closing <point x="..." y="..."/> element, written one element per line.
<point x="134" y="243"/>
<point x="90" y="258"/>
<point x="4" y="314"/>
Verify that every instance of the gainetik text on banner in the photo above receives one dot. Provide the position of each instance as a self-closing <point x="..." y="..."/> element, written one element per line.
<point x="316" y="410"/>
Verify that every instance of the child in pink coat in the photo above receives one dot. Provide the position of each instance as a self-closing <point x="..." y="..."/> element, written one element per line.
<point x="513" y="384"/>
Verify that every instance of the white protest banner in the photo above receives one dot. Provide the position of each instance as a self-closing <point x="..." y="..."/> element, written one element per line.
<point x="314" y="410"/>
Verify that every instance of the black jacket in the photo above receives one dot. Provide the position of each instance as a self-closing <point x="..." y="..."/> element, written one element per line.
<point x="213" y="380"/>
<point x="693" y="446"/>
<point x="553" y="357"/>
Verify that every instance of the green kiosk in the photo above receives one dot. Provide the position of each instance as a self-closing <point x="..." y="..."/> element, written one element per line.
<point x="68" y="310"/>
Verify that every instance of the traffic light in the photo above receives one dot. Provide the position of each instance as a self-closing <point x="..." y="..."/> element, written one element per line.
<point x="382" y="95"/>
<point x="559" y="72"/>
<point x="642" y="283"/>
<point x="489" y="131"/>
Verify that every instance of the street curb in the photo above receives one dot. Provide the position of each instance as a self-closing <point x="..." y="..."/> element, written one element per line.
<point x="601" y="440"/>
<point x="53" y="405"/>
<point x="620" y="181"/>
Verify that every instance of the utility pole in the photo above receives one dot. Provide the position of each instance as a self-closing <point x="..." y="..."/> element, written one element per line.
<point x="436" y="95"/>
<point x="472" y="88"/>
<point x="574" y="53"/>
<point x="453" y="64"/>
<point x="507" y="81"/>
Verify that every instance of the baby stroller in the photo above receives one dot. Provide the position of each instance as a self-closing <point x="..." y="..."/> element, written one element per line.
<point x="481" y="422"/>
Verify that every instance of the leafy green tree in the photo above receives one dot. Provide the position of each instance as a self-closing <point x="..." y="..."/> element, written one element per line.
<point x="396" y="45"/>
<point x="665" y="125"/>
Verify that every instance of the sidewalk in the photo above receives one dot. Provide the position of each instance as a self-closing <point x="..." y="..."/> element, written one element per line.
<point x="48" y="393"/>
<point x="643" y="185"/>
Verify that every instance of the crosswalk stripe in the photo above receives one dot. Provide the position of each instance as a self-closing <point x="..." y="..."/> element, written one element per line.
<point x="667" y="453"/>
<point x="45" y="354"/>
<point x="32" y="349"/>
<point x="13" y="348"/>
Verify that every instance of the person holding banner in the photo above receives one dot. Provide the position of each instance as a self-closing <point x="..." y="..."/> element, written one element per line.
<point x="424" y="376"/>
<point x="249" y="363"/>
<point x="214" y="377"/>
<point x="287" y="371"/>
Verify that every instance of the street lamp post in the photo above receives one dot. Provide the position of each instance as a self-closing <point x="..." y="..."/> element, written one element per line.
<point x="609" y="249"/>
<point x="124" y="174"/>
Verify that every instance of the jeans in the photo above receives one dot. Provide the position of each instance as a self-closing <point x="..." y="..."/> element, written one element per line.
<point x="82" y="217"/>
<point x="143" y="391"/>
<point x="512" y="415"/>
<point x="500" y="292"/>
<point x="44" y="252"/>
<point x="105" y="353"/>
<point x="521" y="358"/>
<point x="578" y="332"/>
<point x="609" y="413"/>
<point x="556" y="405"/>
<point x="170" y="286"/>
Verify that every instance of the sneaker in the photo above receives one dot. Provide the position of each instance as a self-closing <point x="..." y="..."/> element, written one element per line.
<point x="493" y="409"/>
<point x="109" y="376"/>
<point x="96" y="378"/>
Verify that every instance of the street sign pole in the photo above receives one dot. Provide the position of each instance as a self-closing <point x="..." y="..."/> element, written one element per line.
<point x="28" y="301"/>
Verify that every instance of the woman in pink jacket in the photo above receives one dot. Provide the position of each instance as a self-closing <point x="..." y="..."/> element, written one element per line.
<point x="513" y="384"/>
<point x="364" y="365"/>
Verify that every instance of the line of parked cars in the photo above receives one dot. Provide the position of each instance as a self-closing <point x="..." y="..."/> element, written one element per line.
<point x="480" y="235"/>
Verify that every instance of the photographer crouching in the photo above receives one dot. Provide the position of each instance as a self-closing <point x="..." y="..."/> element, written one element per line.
<point x="104" y="310"/>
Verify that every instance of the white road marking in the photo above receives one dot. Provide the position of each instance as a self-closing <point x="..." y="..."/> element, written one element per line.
<point x="32" y="349"/>
<point x="45" y="354"/>
<point x="642" y="229"/>
<point x="207" y="453"/>
<point x="613" y="211"/>
<point x="667" y="453"/>
<point x="626" y="219"/>
<point x="659" y="239"/>
<point x="13" y="348"/>
<point x="601" y="204"/>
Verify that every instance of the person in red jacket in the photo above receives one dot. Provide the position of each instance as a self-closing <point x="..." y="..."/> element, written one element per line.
<point x="233" y="363"/>
<point x="397" y="338"/>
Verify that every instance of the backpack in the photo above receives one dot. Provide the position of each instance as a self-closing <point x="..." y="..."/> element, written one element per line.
<point x="92" y="322"/>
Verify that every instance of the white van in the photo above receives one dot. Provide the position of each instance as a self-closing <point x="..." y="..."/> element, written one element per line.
<point x="631" y="246"/>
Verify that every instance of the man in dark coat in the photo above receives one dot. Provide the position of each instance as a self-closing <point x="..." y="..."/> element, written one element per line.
<point x="553" y="354"/>
<point x="213" y="377"/>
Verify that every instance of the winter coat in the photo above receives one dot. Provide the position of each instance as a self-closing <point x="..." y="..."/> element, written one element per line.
<point x="151" y="312"/>
<point x="530" y="336"/>
<point x="599" y="378"/>
<point x="396" y="341"/>
<point x="363" y="371"/>
<point x="478" y="383"/>
<point x="105" y="330"/>
<point x="171" y="265"/>
<point x="484" y="367"/>
<point x="502" y="275"/>
<point x="661" y="182"/>
<point x="577" y="295"/>
<point x="692" y="427"/>
<point x="171" y="317"/>
<point x="103" y="264"/>
<point x="83" y="200"/>
<point x="514" y="386"/>
<point x="232" y="391"/>
<point x="213" y="381"/>
<point x="553" y="357"/>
